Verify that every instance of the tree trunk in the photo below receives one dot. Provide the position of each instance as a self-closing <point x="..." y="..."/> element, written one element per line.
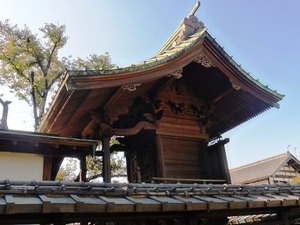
<point x="3" y="124"/>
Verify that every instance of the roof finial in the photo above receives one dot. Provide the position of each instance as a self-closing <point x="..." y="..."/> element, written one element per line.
<point x="194" y="10"/>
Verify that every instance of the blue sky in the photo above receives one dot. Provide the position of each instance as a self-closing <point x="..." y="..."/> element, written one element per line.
<point x="262" y="36"/>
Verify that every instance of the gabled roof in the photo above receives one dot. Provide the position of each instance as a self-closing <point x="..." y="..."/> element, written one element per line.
<point x="262" y="169"/>
<point x="190" y="55"/>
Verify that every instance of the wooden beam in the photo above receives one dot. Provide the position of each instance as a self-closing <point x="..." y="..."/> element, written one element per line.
<point x="83" y="169"/>
<point x="106" y="160"/>
<point x="160" y="157"/>
<point x="176" y="180"/>
<point x="114" y="99"/>
<point x="134" y="130"/>
<point x="47" y="168"/>
<point x="223" y="95"/>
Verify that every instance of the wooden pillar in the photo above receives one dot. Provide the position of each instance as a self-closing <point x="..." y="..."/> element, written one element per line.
<point x="160" y="157"/>
<point x="218" y="161"/>
<point x="83" y="169"/>
<point x="285" y="218"/>
<point x="192" y="220"/>
<point x="224" y="159"/>
<point x="47" y="168"/>
<point x="106" y="160"/>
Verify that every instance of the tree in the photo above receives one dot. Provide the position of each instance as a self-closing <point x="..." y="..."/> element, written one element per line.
<point x="67" y="173"/>
<point x="31" y="69"/>
<point x="70" y="170"/>
<point x="3" y="122"/>
<point x="295" y="180"/>
<point x="30" y="66"/>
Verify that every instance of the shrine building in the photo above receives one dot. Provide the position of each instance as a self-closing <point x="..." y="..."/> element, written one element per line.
<point x="168" y="111"/>
<point x="168" y="114"/>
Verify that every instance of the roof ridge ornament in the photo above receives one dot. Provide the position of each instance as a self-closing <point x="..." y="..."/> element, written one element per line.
<point x="191" y="25"/>
<point x="188" y="26"/>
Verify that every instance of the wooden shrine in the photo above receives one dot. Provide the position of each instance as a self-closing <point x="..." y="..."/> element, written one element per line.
<point x="168" y="111"/>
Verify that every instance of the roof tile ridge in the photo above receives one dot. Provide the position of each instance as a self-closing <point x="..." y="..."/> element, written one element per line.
<point x="261" y="161"/>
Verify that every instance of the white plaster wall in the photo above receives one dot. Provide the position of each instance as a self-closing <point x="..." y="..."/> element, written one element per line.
<point x="21" y="166"/>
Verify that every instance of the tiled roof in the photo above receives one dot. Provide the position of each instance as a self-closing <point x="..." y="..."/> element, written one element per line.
<point x="79" y="87"/>
<point x="71" y="201"/>
<point x="259" y="170"/>
<point x="169" y="55"/>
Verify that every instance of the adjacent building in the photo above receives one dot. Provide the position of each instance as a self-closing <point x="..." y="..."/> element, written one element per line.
<point x="31" y="156"/>
<point x="274" y="170"/>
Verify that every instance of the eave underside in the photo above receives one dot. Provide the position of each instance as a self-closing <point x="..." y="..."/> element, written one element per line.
<point x="211" y="75"/>
<point x="230" y="107"/>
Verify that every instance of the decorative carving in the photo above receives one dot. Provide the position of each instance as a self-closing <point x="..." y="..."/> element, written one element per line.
<point x="140" y="110"/>
<point x="202" y="112"/>
<point x="234" y="85"/>
<point x="191" y="25"/>
<point x="178" y="101"/>
<point x="134" y="130"/>
<point x="177" y="74"/>
<point x="176" y="108"/>
<point x="130" y="87"/>
<point x="203" y="60"/>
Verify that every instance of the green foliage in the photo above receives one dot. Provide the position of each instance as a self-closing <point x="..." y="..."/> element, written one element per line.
<point x="69" y="171"/>
<point x="94" y="167"/>
<point x="93" y="62"/>
<point x="30" y="66"/>
<point x="295" y="180"/>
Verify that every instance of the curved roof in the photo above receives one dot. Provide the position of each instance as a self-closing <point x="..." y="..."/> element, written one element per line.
<point x="206" y="69"/>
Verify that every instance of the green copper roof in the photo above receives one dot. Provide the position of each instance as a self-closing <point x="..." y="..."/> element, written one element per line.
<point x="172" y="53"/>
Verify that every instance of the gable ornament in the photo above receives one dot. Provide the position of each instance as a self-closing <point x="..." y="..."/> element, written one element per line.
<point x="203" y="60"/>
<point x="234" y="85"/>
<point x="177" y="74"/>
<point x="130" y="87"/>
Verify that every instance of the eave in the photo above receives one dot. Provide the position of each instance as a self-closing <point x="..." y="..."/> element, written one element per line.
<point x="82" y="84"/>
<point x="156" y="67"/>
<point x="17" y="141"/>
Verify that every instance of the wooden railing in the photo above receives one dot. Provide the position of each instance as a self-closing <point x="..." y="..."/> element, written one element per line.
<point x="182" y="180"/>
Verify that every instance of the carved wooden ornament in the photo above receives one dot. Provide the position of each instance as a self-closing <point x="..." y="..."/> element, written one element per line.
<point x="204" y="60"/>
<point x="130" y="87"/>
